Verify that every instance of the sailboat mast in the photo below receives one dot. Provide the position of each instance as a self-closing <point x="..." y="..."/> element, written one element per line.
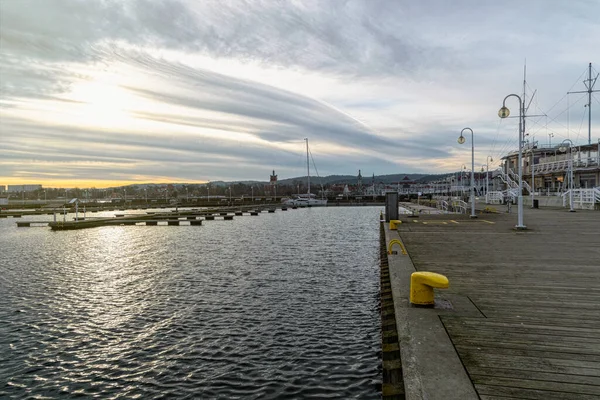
<point x="307" y="166"/>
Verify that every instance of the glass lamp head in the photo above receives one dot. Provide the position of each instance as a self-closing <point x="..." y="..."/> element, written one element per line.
<point x="504" y="112"/>
<point x="461" y="139"/>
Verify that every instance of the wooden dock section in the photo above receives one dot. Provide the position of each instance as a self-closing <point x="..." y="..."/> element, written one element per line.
<point x="184" y="217"/>
<point x="523" y="307"/>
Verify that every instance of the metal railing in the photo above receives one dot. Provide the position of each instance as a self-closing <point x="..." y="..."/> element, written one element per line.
<point x="563" y="165"/>
<point x="582" y="198"/>
<point x="460" y="206"/>
<point x="442" y="205"/>
<point x="515" y="178"/>
<point x="495" y="197"/>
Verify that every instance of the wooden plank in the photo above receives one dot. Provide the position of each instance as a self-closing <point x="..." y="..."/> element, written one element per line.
<point x="528" y="352"/>
<point x="544" y="320"/>
<point x="550" y="386"/>
<point x="531" y="394"/>
<point x="545" y="332"/>
<point x="523" y="374"/>
<point x="518" y="345"/>
<point x="474" y="360"/>
<point x="509" y="336"/>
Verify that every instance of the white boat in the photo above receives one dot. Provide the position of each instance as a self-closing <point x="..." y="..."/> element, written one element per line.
<point x="307" y="199"/>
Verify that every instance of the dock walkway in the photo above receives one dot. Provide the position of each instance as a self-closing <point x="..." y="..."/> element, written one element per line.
<point x="522" y="313"/>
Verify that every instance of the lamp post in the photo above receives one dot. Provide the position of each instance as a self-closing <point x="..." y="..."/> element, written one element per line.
<point x="480" y="184"/>
<point x="229" y="195"/>
<point x="45" y="197"/>
<point x="487" y="173"/>
<point x="252" y="193"/>
<point x="532" y="176"/>
<point x="563" y="148"/>
<point x="461" y="140"/>
<point x="503" y="113"/>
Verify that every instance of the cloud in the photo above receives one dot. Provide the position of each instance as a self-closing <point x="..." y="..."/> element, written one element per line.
<point x="216" y="89"/>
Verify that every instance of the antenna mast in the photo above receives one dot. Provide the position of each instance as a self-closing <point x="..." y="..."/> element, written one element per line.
<point x="589" y="84"/>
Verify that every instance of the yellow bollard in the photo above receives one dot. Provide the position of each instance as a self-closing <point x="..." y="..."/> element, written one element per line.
<point x="393" y="224"/>
<point x="421" y="287"/>
<point x="399" y="243"/>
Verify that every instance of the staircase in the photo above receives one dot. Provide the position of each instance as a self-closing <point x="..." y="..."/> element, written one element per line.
<point x="516" y="179"/>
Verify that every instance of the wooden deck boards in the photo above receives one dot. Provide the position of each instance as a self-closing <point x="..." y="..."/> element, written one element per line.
<point x="539" y="291"/>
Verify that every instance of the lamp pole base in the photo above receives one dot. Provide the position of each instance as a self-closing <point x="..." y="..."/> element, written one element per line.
<point x="520" y="227"/>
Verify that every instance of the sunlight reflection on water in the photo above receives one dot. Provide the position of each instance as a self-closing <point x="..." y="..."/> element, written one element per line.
<point x="282" y="304"/>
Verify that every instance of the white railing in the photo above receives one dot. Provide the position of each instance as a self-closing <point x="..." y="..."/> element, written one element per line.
<point x="507" y="179"/>
<point x="460" y="205"/>
<point x="563" y="165"/>
<point x="515" y="178"/>
<point x="582" y="198"/>
<point x="496" y="197"/>
<point x="442" y="205"/>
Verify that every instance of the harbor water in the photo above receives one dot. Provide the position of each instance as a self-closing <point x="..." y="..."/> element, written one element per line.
<point x="281" y="305"/>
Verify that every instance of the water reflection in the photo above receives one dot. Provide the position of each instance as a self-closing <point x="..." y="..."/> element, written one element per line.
<point x="280" y="305"/>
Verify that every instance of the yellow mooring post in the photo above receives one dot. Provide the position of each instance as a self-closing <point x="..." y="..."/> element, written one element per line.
<point x="421" y="287"/>
<point x="399" y="243"/>
<point x="393" y="224"/>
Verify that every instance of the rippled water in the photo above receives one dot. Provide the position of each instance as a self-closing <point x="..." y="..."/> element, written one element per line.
<point x="278" y="305"/>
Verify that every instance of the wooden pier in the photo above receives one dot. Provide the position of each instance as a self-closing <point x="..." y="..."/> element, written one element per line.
<point x="184" y="217"/>
<point x="521" y="318"/>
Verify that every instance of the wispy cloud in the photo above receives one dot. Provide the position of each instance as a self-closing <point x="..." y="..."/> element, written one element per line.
<point x="193" y="91"/>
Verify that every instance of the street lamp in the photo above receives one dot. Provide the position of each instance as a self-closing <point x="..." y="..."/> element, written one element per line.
<point x="252" y="193"/>
<point x="461" y="140"/>
<point x="229" y="195"/>
<point x="503" y="113"/>
<point x="563" y="148"/>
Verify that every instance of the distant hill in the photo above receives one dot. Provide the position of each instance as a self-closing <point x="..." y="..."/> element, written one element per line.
<point x="326" y="180"/>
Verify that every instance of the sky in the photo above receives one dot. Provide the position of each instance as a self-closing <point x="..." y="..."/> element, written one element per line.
<point x="108" y="92"/>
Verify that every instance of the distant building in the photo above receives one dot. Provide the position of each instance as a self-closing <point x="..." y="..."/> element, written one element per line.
<point x="359" y="183"/>
<point x="2" y="188"/>
<point x="550" y="167"/>
<point x="23" y="188"/>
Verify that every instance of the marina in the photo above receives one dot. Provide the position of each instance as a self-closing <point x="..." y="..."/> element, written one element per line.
<point x="166" y="233"/>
